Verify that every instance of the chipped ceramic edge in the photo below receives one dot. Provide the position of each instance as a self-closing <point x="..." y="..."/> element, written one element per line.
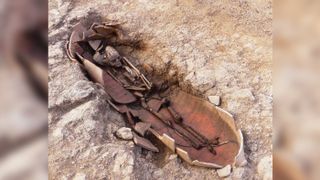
<point x="185" y="156"/>
<point x="224" y="111"/>
<point x="170" y="142"/>
<point x="167" y="140"/>
<point x="68" y="51"/>
<point x="68" y="46"/>
<point x="240" y="158"/>
<point x="240" y="135"/>
<point x="241" y="145"/>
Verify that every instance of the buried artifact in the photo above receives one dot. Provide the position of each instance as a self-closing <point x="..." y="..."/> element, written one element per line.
<point x="197" y="131"/>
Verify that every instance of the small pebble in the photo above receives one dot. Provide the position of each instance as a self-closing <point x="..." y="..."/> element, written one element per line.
<point x="224" y="172"/>
<point x="214" y="100"/>
<point x="124" y="133"/>
<point x="172" y="156"/>
<point x="157" y="174"/>
<point x="238" y="174"/>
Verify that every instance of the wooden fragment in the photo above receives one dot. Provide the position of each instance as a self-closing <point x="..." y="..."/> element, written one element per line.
<point x="135" y="88"/>
<point x="118" y="93"/>
<point x="145" y="143"/>
<point x="138" y="94"/>
<point x="95" y="44"/>
<point x="141" y="128"/>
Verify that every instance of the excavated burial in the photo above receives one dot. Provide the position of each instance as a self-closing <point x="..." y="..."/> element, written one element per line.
<point x="200" y="133"/>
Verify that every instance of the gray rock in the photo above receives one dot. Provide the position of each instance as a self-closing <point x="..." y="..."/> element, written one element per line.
<point x="123" y="164"/>
<point x="225" y="171"/>
<point x="202" y="79"/>
<point x="238" y="174"/>
<point x="124" y="133"/>
<point x="265" y="168"/>
<point x="214" y="100"/>
<point x="80" y="176"/>
<point x="244" y="94"/>
<point x="79" y="91"/>
<point x="239" y="100"/>
<point x="157" y="174"/>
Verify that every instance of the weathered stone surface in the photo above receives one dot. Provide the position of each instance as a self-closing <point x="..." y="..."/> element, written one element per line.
<point x="240" y="173"/>
<point x="123" y="164"/>
<point x="80" y="176"/>
<point x="201" y="79"/>
<point x="77" y="92"/>
<point x="218" y="47"/>
<point x="265" y="168"/>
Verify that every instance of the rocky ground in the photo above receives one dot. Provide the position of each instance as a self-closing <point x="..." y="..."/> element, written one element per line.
<point x="221" y="48"/>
